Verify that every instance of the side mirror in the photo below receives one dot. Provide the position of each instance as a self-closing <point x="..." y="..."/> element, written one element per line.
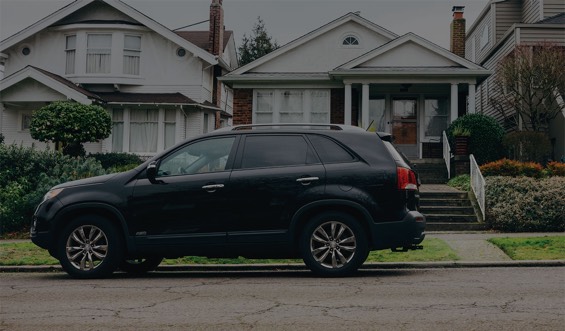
<point x="152" y="173"/>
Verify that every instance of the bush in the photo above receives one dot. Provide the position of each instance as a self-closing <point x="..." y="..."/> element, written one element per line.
<point x="1" y="139"/>
<point x="486" y="136"/>
<point x="527" y="146"/>
<point x="555" y="169"/>
<point x="461" y="182"/>
<point x="512" y="168"/>
<point x="525" y="204"/>
<point x="117" y="160"/>
<point x="27" y="174"/>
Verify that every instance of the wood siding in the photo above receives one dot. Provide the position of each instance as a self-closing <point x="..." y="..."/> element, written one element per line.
<point x="533" y="35"/>
<point x="553" y="7"/>
<point x="507" y="14"/>
<point x="474" y="40"/>
<point x="531" y="11"/>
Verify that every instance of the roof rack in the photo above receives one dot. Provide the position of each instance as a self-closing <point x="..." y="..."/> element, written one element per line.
<point x="307" y="126"/>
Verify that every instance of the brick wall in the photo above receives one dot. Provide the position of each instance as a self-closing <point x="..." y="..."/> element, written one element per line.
<point x="457" y="41"/>
<point x="242" y="106"/>
<point x="337" y="108"/>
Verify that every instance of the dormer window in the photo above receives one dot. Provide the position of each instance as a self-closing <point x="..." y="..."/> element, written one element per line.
<point x="350" y="40"/>
<point x="98" y="53"/>
<point x="70" y="50"/>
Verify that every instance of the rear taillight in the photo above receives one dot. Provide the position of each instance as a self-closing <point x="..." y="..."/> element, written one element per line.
<point x="406" y="179"/>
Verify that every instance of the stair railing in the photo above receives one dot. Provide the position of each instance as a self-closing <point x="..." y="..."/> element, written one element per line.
<point x="478" y="184"/>
<point x="447" y="154"/>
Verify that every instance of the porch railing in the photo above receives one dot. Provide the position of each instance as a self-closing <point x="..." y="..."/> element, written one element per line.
<point x="447" y="154"/>
<point x="478" y="184"/>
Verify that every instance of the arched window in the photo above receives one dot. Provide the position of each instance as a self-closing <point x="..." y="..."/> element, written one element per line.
<point x="350" y="41"/>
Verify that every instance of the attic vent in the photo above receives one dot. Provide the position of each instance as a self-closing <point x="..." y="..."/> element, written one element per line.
<point x="181" y="52"/>
<point x="350" y="41"/>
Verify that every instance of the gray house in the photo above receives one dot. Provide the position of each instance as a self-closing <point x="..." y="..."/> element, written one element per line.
<point x="501" y="26"/>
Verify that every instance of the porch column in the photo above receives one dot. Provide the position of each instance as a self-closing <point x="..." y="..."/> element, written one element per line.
<point x="454" y="102"/>
<point x="365" y="107"/>
<point x="472" y="105"/>
<point x="347" y="108"/>
<point x="161" y="130"/>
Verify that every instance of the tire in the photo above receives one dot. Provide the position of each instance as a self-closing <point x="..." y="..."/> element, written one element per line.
<point x="90" y="247"/>
<point x="141" y="265"/>
<point x="333" y="244"/>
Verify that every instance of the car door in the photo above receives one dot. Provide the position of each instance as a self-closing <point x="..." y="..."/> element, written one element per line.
<point x="185" y="203"/>
<point x="274" y="173"/>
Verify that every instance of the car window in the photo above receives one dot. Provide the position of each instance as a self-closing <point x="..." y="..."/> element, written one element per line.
<point x="210" y="155"/>
<point x="275" y="151"/>
<point x="329" y="151"/>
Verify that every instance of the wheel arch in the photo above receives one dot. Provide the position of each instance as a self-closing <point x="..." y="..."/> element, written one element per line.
<point x="306" y="212"/>
<point x="106" y="211"/>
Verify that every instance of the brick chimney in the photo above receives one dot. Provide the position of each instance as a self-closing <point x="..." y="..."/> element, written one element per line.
<point x="216" y="35"/>
<point x="457" y="38"/>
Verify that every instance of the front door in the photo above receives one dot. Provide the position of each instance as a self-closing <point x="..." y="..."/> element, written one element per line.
<point x="405" y="126"/>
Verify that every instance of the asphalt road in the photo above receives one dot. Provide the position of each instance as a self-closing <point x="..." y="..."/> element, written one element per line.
<point x="411" y="299"/>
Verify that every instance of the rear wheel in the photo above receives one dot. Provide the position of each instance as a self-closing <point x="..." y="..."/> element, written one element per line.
<point x="333" y="244"/>
<point x="140" y="265"/>
<point x="90" y="247"/>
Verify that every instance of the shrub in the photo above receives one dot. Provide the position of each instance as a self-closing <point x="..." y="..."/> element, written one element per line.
<point x="27" y="174"/>
<point x="117" y="160"/>
<point x="525" y="204"/>
<point x="512" y="168"/>
<point x="555" y="168"/>
<point x="461" y="182"/>
<point x="1" y="139"/>
<point x="486" y="136"/>
<point x="527" y="146"/>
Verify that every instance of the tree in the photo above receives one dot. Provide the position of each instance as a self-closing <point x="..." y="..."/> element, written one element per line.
<point x="69" y="124"/>
<point x="259" y="43"/>
<point x="529" y="85"/>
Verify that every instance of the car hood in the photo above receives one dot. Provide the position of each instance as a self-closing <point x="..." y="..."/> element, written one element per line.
<point x="87" y="181"/>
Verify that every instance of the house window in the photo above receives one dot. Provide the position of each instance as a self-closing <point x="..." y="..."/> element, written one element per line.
<point x="170" y="127"/>
<point x="484" y="39"/>
<point x="292" y="106"/>
<point x="350" y="41"/>
<point x="99" y="53"/>
<point x="132" y="52"/>
<point x="70" y="50"/>
<point x="117" y="130"/>
<point x="144" y="126"/>
<point x="435" y="117"/>
<point x="25" y="122"/>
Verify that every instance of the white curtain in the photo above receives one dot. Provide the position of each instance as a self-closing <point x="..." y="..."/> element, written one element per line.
<point x="320" y="106"/>
<point x="99" y="53"/>
<point x="291" y="106"/>
<point x="265" y="102"/>
<point x="143" y="131"/>
<point x="132" y="50"/>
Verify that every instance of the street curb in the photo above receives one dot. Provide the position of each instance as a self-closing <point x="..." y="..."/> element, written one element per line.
<point x="302" y="267"/>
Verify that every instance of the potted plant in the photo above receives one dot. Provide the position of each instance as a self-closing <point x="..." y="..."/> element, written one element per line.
<point x="461" y="135"/>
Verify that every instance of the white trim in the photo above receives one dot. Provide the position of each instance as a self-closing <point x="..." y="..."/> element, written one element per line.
<point x="454" y="102"/>
<point x="347" y="106"/>
<point x="365" y="106"/>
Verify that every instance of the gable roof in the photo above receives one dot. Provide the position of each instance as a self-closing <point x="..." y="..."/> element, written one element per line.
<point x="349" y="17"/>
<point x="557" y="19"/>
<point x="403" y="40"/>
<point x="118" y="5"/>
<point x="53" y="81"/>
<point x="201" y="38"/>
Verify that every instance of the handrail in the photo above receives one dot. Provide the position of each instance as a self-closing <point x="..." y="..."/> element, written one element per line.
<point x="447" y="154"/>
<point x="478" y="184"/>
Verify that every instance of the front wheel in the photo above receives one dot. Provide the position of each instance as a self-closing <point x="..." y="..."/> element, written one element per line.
<point x="140" y="265"/>
<point x="90" y="247"/>
<point x="333" y="244"/>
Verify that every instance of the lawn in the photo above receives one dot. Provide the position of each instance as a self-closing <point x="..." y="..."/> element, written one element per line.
<point x="26" y="253"/>
<point x="532" y="248"/>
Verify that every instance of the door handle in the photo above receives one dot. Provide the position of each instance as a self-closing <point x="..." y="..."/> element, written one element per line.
<point x="307" y="180"/>
<point x="212" y="188"/>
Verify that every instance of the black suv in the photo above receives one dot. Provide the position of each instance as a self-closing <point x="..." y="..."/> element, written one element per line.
<point x="328" y="194"/>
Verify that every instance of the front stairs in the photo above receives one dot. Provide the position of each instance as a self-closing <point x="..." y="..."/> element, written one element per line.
<point x="445" y="208"/>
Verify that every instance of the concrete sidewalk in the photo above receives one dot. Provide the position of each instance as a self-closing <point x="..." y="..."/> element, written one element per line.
<point x="472" y="248"/>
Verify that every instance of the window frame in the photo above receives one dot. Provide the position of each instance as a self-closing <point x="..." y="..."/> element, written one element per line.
<point x="276" y="104"/>
<point x="99" y="72"/>
<point x="70" y="70"/>
<point x="128" y="51"/>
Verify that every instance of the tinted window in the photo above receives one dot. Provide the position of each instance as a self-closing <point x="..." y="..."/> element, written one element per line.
<point x="274" y="151"/>
<point x="208" y="155"/>
<point x="330" y="151"/>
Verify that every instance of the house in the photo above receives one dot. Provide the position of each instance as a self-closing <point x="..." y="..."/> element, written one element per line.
<point x="501" y="26"/>
<point x="160" y="86"/>
<point x="354" y="71"/>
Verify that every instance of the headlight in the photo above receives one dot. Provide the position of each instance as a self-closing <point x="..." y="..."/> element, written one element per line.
<point x="52" y="193"/>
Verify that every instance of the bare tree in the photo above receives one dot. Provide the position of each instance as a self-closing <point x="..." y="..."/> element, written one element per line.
<point x="529" y="85"/>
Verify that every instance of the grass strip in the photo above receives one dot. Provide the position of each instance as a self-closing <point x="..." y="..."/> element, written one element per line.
<point x="532" y="248"/>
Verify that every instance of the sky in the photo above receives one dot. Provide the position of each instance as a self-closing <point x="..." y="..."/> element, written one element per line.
<point x="285" y="20"/>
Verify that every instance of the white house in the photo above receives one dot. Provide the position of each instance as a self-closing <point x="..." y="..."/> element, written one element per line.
<point x="505" y="24"/>
<point x="353" y="71"/>
<point x="160" y="86"/>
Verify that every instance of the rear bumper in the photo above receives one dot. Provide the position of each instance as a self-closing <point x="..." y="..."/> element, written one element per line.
<point x="408" y="232"/>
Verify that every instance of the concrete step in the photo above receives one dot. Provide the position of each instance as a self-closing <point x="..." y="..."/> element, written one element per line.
<point x="447" y="210"/>
<point x="443" y="195"/>
<point x="425" y="202"/>
<point x="475" y="226"/>
<point x="442" y="218"/>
